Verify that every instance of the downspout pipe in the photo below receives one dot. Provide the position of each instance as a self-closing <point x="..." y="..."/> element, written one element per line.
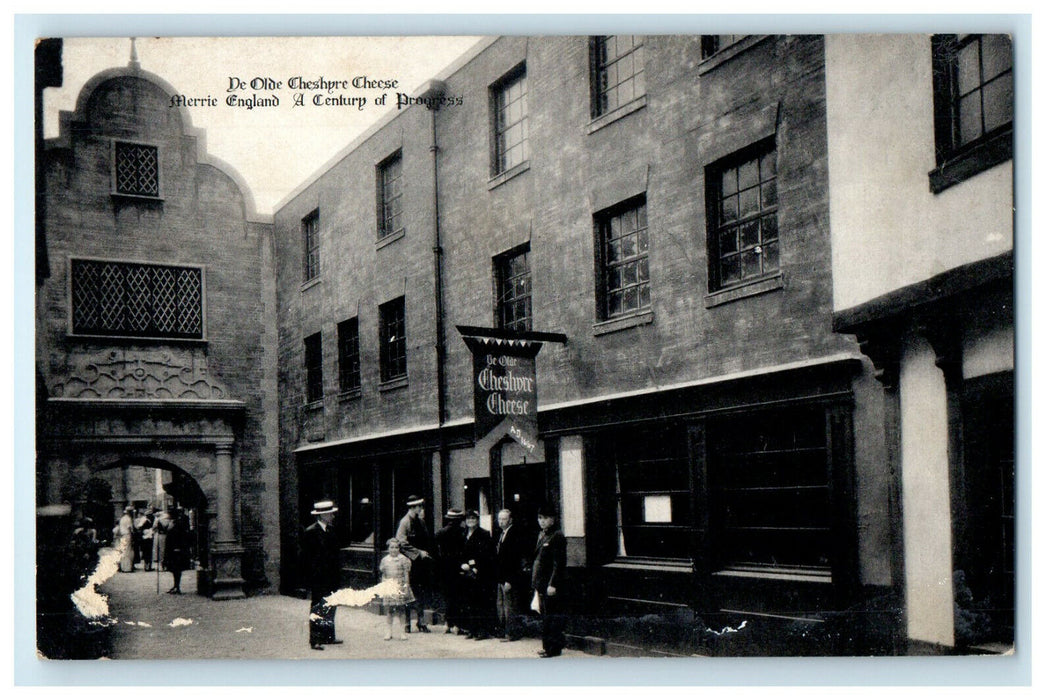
<point x="432" y="94"/>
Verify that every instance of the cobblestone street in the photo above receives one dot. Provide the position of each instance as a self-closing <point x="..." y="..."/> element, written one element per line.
<point x="267" y="627"/>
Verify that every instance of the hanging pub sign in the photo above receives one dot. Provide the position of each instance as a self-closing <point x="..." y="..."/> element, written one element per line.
<point x="504" y="381"/>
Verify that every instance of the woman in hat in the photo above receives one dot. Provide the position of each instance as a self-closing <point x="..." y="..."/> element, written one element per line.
<point x="416" y="543"/>
<point x="123" y="531"/>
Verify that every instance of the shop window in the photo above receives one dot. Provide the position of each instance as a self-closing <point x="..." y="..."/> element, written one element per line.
<point x="389" y="196"/>
<point x="617" y="72"/>
<point x="770" y="489"/>
<point x="393" y="340"/>
<point x="973" y="105"/>
<point x="136" y="169"/>
<point x="509" y="138"/>
<point x="360" y="506"/>
<point x="513" y="284"/>
<point x="623" y="266"/>
<point x="312" y="362"/>
<point x="136" y="300"/>
<point x="311" y="246"/>
<point x="347" y="347"/>
<point x="653" y="493"/>
<point x="743" y="204"/>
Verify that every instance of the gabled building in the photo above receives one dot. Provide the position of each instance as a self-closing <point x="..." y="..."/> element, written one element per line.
<point x="155" y="325"/>
<point x="921" y="202"/>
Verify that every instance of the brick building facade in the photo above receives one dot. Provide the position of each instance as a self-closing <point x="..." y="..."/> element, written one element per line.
<point x="663" y="204"/>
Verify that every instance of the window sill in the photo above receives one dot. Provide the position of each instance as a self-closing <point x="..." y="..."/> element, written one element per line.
<point x="640" y="318"/>
<point x="746" y="289"/>
<point x="145" y="198"/>
<point x="130" y="339"/>
<point x="616" y="114"/>
<point x="778" y="573"/>
<point x="725" y="55"/>
<point x="391" y="238"/>
<point x="502" y="178"/>
<point x="349" y="395"/>
<point x="313" y="282"/>
<point x="314" y="406"/>
<point x="675" y="566"/>
<point x="973" y="160"/>
<point x="396" y="383"/>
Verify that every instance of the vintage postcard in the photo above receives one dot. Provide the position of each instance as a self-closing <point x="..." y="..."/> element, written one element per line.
<point x="525" y="347"/>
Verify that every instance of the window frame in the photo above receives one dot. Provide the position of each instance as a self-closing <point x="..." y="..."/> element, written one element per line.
<point x="602" y="227"/>
<point x="71" y="325"/>
<point x="957" y="162"/>
<point x="501" y="280"/>
<point x="722" y="509"/>
<point x="599" y="70"/>
<point x="385" y="228"/>
<point x="349" y="364"/>
<point x="498" y="163"/>
<point x="715" y="194"/>
<point x="392" y="354"/>
<point x="310" y="232"/>
<point x="314" y="372"/>
<point x="115" y="190"/>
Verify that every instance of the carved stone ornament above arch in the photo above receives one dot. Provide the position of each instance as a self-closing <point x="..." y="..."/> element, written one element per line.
<point x="132" y="373"/>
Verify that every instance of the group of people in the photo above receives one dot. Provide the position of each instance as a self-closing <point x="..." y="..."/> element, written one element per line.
<point x="154" y="534"/>
<point x="486" y="582"/>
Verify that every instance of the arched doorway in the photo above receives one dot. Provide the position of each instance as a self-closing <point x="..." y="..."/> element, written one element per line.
<point x="154" y="486"/>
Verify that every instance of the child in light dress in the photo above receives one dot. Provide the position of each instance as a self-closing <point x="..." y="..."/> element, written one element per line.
<point x="395" y="566"/>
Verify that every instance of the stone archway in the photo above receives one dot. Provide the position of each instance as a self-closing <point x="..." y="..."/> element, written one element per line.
<point x="198" y="438"/>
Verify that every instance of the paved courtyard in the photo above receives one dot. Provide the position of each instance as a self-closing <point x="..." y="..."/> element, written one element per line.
<point x="156" y="625"/>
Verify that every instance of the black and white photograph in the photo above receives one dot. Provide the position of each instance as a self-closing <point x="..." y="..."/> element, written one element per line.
<point x="537" y="347"/>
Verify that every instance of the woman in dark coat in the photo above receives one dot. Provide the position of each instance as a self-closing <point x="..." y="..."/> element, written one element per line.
<point x="177" y="548"/>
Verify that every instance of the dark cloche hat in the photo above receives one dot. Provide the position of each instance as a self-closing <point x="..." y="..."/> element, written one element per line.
<point x="547" y="510"/>
<point x="471" y="514"/>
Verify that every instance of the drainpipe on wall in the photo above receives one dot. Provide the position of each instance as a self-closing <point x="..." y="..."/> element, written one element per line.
<point x="432" y="93"/>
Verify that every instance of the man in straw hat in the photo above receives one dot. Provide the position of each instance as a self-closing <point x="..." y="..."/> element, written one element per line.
<point x="416" y="544"/>
<point x="321" y="561"/>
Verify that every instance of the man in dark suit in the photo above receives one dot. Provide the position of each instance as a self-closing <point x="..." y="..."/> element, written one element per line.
<point x="547" y="579"/>
<point x="477" y="578"/>
<point x="449" y="541"/>
<point x="321" y="561"/>
<point x="512" y="567"/>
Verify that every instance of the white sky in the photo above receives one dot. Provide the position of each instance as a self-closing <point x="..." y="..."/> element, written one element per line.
<point x="274" y="149"/>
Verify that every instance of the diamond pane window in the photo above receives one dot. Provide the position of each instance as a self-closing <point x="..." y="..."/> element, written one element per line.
<point x="745" y="198"/>
<point x="617" y="72"/>
<point x="625" y="274"/>
<point x="136" y="300"/>
<point x="136" y="169"/>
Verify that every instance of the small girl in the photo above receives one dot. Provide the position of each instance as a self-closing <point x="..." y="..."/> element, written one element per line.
<point x="395" y="566"/>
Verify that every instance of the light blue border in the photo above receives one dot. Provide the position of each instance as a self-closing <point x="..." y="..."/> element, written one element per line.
<point x="1015" y="670"/>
